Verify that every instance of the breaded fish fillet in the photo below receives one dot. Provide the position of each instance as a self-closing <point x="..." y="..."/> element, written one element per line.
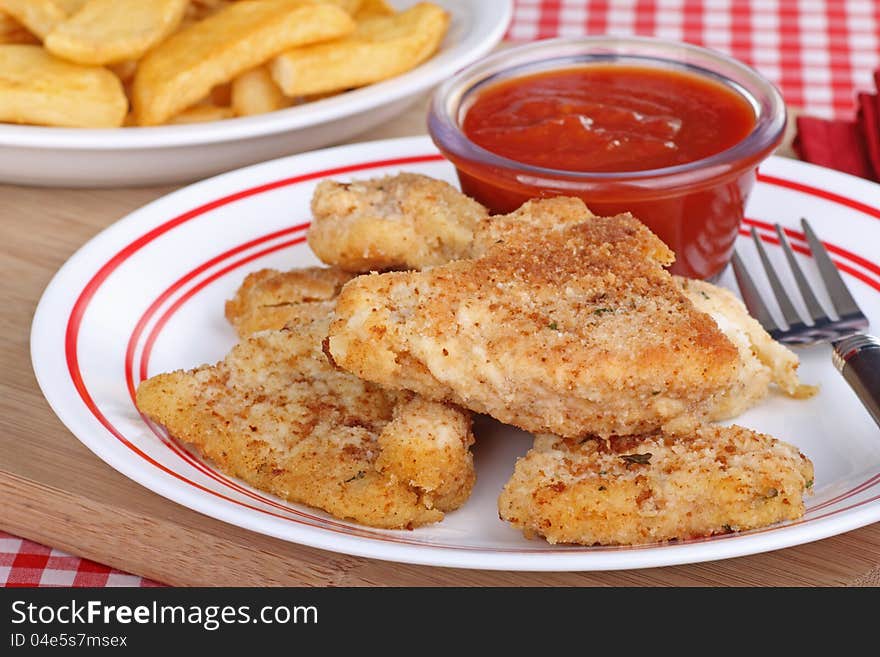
<point x="763" y="360"/>
<point x="566" y="323"/>
<point x="269" y="298"/>
<point x="278" y="415"/>
<point x="632" y="490"/>
<point x="407" y="221"/>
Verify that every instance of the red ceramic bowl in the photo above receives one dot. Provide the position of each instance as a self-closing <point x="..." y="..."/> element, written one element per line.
<point x="696" y="208"/>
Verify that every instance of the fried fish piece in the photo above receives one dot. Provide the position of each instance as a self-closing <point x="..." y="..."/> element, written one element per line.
<point x="563" y="323"/>
<point x="407" y="221"/>
<point x="764" y="361"/>
<point x="278" y="415"/>
<point x="269" y="299"/>
<point x="641" y="489"/>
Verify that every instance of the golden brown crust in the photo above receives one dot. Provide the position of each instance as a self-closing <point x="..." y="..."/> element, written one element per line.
<point x="631" y="490"/>
<point x="566" y="323"/>
<point x="763" y="360"/>
<point x="439" y="460"/>
<point x="268" y="299"/>
<point x="278" y="415"/>
<point x="407" y="221"/>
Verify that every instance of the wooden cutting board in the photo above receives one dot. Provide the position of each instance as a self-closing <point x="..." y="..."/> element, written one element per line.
<point x="53" y="490"/>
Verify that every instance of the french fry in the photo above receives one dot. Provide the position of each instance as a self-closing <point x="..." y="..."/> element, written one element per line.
<point x="70" y="7"/>
<point x="125" y="70"/>
<point x="38" y="88"/>
<point x="112" y="31"/>
<point x="184" y="68"/>
<point x="221" y="95"/>
<point x="20" y="36"/>
<point x="202" y="114"/>
<point x="301" y="100"/>
<point x="380" y="48"/>
<point x="11" y="31"/>
<point x="199" y="10"/>
<point x="373" y="9"/>
<point x="8" y="23"/>
<point x="38" y="16"/>
<point x="351" y="6"/>
<point x="210" y="4"/>
<point x="255" y="92"/>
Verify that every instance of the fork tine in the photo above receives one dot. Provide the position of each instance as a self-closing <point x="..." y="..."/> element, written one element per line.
<point x="789" y="314"/>
<point x="842" y="300"/>
<point x="817" y="313"/>
<point x="752" y="297"/>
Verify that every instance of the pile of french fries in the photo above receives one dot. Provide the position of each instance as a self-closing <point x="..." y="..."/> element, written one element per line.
<point x="114" y="63"/>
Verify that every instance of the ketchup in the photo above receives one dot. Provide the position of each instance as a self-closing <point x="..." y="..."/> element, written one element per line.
<point x="636" y="121"/>
<point x="608" y="118"/>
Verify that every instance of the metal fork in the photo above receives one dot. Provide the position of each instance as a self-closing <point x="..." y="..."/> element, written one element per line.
<point x="855" y="355"/>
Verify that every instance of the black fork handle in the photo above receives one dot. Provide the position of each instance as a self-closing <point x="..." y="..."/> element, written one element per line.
<point x="857" y="358"/>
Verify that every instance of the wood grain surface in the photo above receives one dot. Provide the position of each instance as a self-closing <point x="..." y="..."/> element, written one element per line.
<point x="53" y="490"/>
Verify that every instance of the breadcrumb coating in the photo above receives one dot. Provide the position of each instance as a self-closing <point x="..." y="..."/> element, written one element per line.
<point x="407" y="221"/>
<point x="656" y="487"/>
<point x="278" y="415"/>
<point x="564" y="323"/>
<point x="763" y="360"/>
<point x="268" y="299"/>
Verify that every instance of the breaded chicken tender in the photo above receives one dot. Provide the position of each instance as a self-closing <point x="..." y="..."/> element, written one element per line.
<point x="407" y="221"/>
<point x="268" y="299"/>
<point x="278" y="415"/>
<point x="763" y="359"/>
<point x="631" y="490"/>
<point x="564" y="323"/>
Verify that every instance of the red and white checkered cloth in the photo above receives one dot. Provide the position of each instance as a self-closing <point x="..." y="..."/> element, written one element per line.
<point x="25" y="563"/>
<point x="818" y="52"/>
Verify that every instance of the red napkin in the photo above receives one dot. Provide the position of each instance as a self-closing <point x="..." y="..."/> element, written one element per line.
<point x="849" y="146"/>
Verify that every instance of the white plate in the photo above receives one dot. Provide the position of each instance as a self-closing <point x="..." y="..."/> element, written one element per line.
<point x="31" y="155"/>
<point x="146" y="296"/>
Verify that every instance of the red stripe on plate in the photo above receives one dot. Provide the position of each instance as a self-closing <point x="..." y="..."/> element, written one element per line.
<point x="790" y="232"/>
<point x="855" y="273"/>
<point x="820" y="193"/>
<point x="142" y="323"/>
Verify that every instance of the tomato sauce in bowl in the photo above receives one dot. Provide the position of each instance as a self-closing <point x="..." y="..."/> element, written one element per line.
<point x="607" y="118"/>
<point x="669" y="132"/>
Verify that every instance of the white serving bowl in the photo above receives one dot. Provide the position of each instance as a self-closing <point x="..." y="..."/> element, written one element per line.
<point x="63" y="157"/>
